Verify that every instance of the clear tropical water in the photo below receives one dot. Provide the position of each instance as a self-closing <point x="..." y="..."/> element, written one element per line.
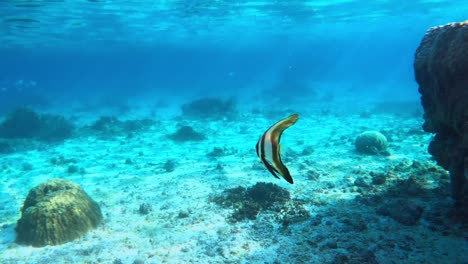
<point x="231" y="47"/>
<point x="127" y="76"/>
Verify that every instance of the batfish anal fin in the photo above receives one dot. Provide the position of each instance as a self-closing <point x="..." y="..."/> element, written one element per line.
<point x="272" y="170"/>
<point x="283" y="170"/>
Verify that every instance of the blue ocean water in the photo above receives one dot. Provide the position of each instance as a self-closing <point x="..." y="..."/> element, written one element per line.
<point x="155" y="107"/>
<point x="83" y="49"/>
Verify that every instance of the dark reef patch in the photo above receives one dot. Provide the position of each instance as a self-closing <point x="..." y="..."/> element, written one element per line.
<point x="262" y="197"/>
<point x="24" y="123"/>
<point x="55" y="128"/>
<point x="145" y="208"/>
<point x="111" y="126"/>
<point x="402" y="211"/>
<point x="186" y="133"/>
<point x="21" y="123"/>
<point x="211" y="108"/>
<point x="409" y="194"/>
<point x="169" y="165"/>
<point x="218" y="152"/>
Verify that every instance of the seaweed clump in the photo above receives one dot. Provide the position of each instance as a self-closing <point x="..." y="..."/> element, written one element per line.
<point x="262" y="197"/>
<point x="56" y="212"/>
<point x="24" y="123"/>
<point x="211" y="108"/>
<point x="186" y="133"/>
<point x="371" y="142"/>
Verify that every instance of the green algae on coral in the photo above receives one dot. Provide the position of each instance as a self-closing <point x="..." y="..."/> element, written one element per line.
<point x="56" y="212"/>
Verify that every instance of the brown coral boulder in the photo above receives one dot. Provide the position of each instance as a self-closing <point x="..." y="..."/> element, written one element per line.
<point x="56" y="212"/>
<point x="441" y="70"/>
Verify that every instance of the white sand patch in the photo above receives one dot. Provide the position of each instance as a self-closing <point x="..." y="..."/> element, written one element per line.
<point x="122" y="173"/>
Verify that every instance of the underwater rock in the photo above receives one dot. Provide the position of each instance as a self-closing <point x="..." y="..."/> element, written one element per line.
<point x="21" y="123"/>
<point x="441" y="67"/>
<point x="111" y="125"/>
<point x="371" y="142"/>
<point x="186" y="133"/>
<point x="137" y="124"/>
<point x="55" y="128"/>
<point x="56" y="212"/>
<point x="138" y="261"/>
<point x="106" y="124"/>
<point x="378" y="178"/>
<point x="215" y="108"/>
<point x="293" y="212"/>
<point x="145" y="208"/>
<point x="248" y="203"/>
<point x="73" y="169"/>
<point x="402" y="211"/>
<point x="169" y="165"/>
<point x="361" y="182"/>
<point x="218" y="152"/>
<point x="61" y="160"/>
<point x="25" y="123"/>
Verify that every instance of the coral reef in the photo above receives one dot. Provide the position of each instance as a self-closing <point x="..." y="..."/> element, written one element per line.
<point x="106" y="124"/>
<point x="371" y="142"/>
<point x="21" y="123"/>
<point x="25" y="123"/>
<point x="402" y="211"/>
<point x="55" y="128"/>
<point x="212" y="108"/>
<point x="56" y="212"/>
<point x="441" y="66"/>
<point x="111" y="125"/>
<point x="186" y="133"/>
<point x="248" y="203"/>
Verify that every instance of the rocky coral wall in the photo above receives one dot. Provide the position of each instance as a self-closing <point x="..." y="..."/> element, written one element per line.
<point x="441" y="70"/>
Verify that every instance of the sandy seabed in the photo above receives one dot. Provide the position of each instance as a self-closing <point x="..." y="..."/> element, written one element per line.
<point x="183" y="226"/>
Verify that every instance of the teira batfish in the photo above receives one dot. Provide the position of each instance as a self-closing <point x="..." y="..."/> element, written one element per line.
<point x="268" y="148"/>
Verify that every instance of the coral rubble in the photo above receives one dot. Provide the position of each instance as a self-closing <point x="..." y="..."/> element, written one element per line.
<point x="248" y="203"/>
<point x="441" y="70"/>
<point x="56" y="212"/>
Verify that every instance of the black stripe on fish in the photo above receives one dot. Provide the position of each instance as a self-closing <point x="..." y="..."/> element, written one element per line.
<point x="274" y="136"/>
<point x="262" y="157"/>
